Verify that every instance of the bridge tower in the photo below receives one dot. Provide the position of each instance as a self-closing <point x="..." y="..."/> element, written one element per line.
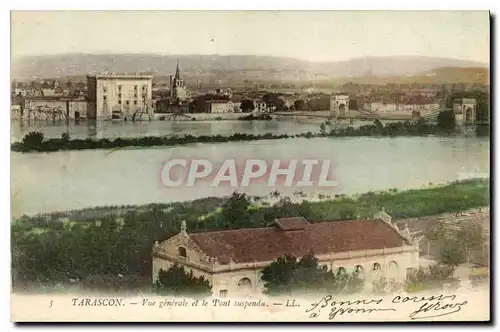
<point x="339" y="105"/>
<point x="465" y="111"/>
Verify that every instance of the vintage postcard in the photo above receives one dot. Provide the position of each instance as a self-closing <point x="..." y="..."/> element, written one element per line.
<point x="270" y="166"/>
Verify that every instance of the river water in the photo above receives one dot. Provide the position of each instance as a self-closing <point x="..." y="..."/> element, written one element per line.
<point x="56" y="181"/>
<point x="109" y="129"/>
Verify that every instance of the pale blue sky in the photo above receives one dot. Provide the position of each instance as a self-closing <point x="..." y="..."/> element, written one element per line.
<point x="314" y="35"/>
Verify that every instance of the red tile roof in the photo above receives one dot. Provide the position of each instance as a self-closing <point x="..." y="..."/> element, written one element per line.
<point x="266" y="244"/>
<point x="290" y="224"/>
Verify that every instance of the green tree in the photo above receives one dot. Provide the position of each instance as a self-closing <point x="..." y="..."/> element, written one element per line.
<point x="471" y="237"/>
<point x="287" y="275"/>
<point x="432" y="277"/>
<point x="175" y="281"/>
<point x="272" y="99"/>
<point x="437" y="232"/>
<point x="247" y="106"/>
<point x="452" y="253"/>
<point x="33" y="140"/>
<point x="446" y="120"/>
<point x="299" y="105"/>
<point x="65" y="136"/>
<point x="234" y="211"/>
<point x="348" y="212"/>
<point x="322" y="128"/>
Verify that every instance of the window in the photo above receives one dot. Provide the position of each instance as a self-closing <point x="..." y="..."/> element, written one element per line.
<point x="104" y="98"/>
<point x="245" y="282"/>
<point x="341" y="270"/>
<point x="104" y="90"/>
<point x="376" y="266"/>
<point x="144" y="87"/>
<point x="135" y="87"/>
<point x="127" y="102"/>
<point x="135" y="102"/>
<point x="135" y="95"/>
<point x="358" y="270"/>
<point x="119" y="88"/>
<point x="119" y="95"/>
<point x="223" y="293"/>
<point x="182" y="252"/>
<point x="119" y="102"/>
<point x="393" y="270"/>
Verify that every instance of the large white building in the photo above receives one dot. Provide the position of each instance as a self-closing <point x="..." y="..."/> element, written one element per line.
<point x="232" y="260"/>
<point x="118" y="95"/>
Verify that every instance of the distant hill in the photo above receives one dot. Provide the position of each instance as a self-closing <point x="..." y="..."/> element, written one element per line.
<point x="232" y="66"/>
<point x="445" y="75"/>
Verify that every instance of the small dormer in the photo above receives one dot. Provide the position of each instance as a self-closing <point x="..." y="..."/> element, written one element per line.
<point x="291" y="224"/>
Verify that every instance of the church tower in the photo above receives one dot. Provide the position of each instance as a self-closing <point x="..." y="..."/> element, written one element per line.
<point x="177" y="87"/>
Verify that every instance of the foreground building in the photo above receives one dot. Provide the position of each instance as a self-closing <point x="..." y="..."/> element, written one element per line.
<point x="232" y="260"/>
<point x="118" y="95"/>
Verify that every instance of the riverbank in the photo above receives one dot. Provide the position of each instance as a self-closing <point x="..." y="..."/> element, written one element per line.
<point x="100" y="244"/>
<point x="35" y="142"/>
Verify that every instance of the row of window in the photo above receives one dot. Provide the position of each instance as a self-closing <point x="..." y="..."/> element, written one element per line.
<point x="120" y="96"/>
<point x="135" y="95"/>
<point x="127" y="102"/>
<point x="246" y="283"/>
<point x="358" y="268"/>
<point x="144" y="88"/>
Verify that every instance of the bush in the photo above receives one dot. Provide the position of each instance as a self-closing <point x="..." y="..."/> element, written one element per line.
<point x="382" y="286"/>
<point x="33" y="140"/>
<point x="433" y="277"/>
<point x="175" y="281"/>
<point x="287" y="275"/>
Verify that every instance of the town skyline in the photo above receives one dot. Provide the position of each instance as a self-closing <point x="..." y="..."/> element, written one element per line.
<point x="328" y="36"/>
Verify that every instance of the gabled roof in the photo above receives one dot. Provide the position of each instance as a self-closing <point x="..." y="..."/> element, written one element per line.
<point x="297" y="237"/>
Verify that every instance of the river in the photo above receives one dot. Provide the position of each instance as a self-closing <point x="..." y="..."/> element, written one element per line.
<point x="46" y="182"/>
<point x="109" y="129"/>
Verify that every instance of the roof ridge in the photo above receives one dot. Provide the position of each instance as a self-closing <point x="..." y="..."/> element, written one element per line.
<point x="311" y="223"/>
<point x="231" y="230"/>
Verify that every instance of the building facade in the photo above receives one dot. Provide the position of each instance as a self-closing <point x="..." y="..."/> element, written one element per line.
<point x="118" y="95"/>
<point x="232" y="260"/>
<point x="220" y="107"/>
<point x="53" y="107"/>
<point x="381" y="107"/>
